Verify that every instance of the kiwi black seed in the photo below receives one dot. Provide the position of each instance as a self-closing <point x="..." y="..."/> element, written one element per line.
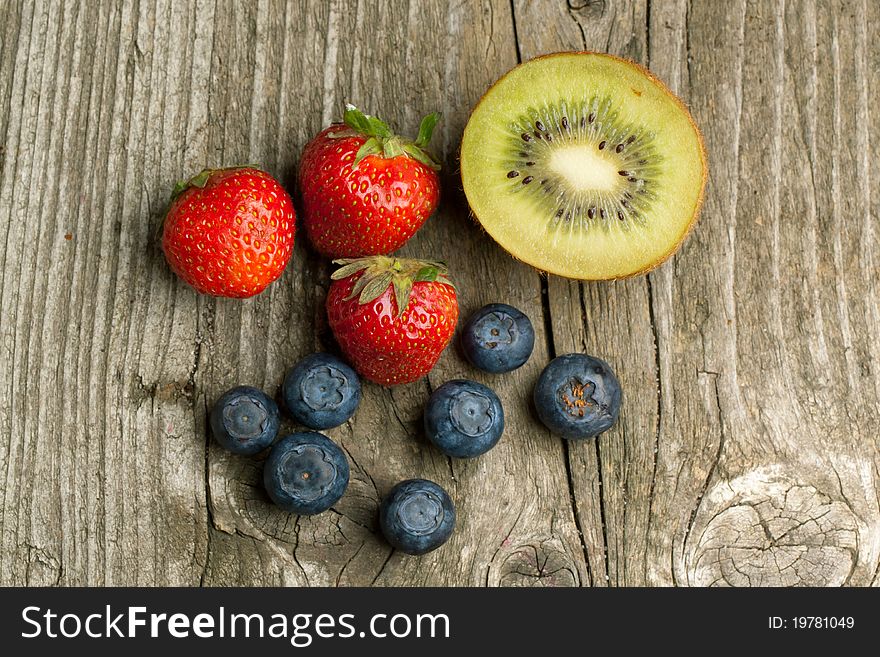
<point x="593" y="122"/>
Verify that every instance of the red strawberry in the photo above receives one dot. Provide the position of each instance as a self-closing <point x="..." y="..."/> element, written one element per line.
<point x="365" y="190"/>
<point x="229" y="232"/>
<point x="392" y="317"/>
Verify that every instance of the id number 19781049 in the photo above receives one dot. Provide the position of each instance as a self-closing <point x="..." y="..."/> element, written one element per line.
<point x="811" y="623"/>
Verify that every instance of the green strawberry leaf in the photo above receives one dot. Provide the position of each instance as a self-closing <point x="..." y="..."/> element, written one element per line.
<point x="445" y="281"/>
<point x="426" y="129"/>
<point x="348" y="268"/>
<point x="402" y="290"/>
<point x="376" y="287"/>
<point x="358" y="287"/>
<point x="199" y="180"/>
<point x="346" y="261"/>
<point x="379" y="128"/>
<point x="365" y="124"/>
<point x="179" y="188"/>
<point x="426" y="274"/>
<point x="422" y="156"/>
<point x="369" y="147"/>
<point x="202" y="177"/>
<point x="392" y="147"/>
<point x="356" y="120"/>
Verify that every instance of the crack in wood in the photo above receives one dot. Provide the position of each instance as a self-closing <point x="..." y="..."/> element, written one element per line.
<point x="602" y="506"/>
<point x="209" y="502"/>
<point x="659" y="423"/>
<point x="347" y="563"/>
<point x="519" y="58"/>
<point x="572" y="495"/>
<point x="712" y="466"/>
<point x="571" y="13"/>
<point x="382" y="568"/>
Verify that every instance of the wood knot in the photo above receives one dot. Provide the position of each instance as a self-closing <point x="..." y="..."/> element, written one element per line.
<point x="767" y="529"/>
<point x="590" y="8"/>
<point x="536" y="565"/>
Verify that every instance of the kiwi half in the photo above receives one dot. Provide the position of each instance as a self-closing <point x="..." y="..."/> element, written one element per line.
<point x="584" y="165"/>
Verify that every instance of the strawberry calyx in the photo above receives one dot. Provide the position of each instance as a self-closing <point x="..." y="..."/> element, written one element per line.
<point x="202" y="177"/>
<point x="381" y="141"/>
<point x="378" y="272"/>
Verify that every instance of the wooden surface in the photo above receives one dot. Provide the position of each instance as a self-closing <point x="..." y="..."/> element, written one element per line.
<point x="747" y="450"/>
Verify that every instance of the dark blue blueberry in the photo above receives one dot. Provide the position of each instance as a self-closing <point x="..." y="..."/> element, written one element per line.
<point x="577" y="396"/>
<point x="498" y="338"/>
<point x="306" y="473"/>
<point x="321" y="391"/>
<point x="464" y="418"/>
<point x="244" y="420"/>
<point x="417" y="516"/>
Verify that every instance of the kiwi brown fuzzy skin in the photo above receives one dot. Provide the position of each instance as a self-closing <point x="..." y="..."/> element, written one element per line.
<point x="677" y="101"/>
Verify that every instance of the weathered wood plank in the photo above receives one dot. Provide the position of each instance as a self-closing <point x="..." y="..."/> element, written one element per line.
<point x="764" y="384"/>
<point x="612" y="476"/>
<point x="524" y="531"/>
<point x="102" y="481"/>
<point x="517" y="523"/>
<point x="265" y="108"/>
<point x="792" y="496"/>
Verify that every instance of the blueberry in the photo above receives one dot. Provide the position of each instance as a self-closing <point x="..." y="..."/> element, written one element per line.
<point x="577" y="396"/>
<point x="244" y="420"/>
<point x="417" y="516"/>
<point x="321" y="391"/>
<point x="464" y="418"/>
<point x="306" y="473"/>
<point x="498" y="338"/>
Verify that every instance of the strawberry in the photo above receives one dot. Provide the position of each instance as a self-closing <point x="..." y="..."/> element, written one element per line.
<point x="229" y="232"/>
<point x="392" y="317"/>
<point x="365" y="190"/>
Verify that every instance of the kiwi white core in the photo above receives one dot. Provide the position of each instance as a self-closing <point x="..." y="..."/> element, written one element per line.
<point x="583" y="165"/>
<point x="584" y="168"/>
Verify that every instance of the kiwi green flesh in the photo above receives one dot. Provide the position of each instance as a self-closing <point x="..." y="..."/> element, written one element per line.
<point x="584" y="166"/>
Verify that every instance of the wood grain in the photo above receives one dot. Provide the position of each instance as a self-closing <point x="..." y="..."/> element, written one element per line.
<point x="748" y="451"/>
